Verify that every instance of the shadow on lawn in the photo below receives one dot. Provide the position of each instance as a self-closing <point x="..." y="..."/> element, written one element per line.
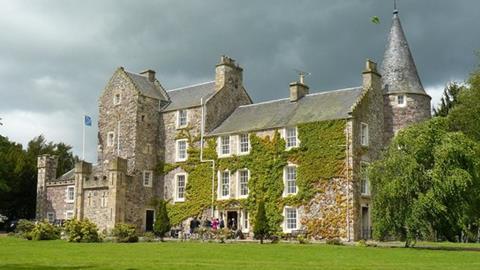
<point x="43" y="267"/>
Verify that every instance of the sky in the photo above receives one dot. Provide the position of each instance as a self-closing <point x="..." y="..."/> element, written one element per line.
<point x="57" y="56"/>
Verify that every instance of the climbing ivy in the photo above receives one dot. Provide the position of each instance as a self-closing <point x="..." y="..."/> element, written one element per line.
<point x="321" y="156"/>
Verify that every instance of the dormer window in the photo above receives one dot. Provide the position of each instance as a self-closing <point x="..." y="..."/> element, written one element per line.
<point x="182" y="119"/>
<point x="117" y="98"/>
<point x="401" y="100"/>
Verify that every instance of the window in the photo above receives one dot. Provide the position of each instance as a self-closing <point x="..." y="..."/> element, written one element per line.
<point x="89" y="203"/>
<point x="110" y="138"/>
<point x="103" y="200"/>
<point x="225" y="145"/>
<point x="225" y="184"/>
<point x="245" y="219"/>
<point x="290" y="176"/>
<point x="364" y="134"/>
<point x="401" y="100"/>
<point x="290" y="219"/>
<point x="117" y="99"/>
<point x="147" y="178"/>
<point x="244" y="144"/>
<point x="69" y="214"/>
<point x="70" y="194"/>
<point x="182" y="118"/>
<point x="181" y="182"/>
<point x="51" y="217"/>
<point x="291" y="137"/>
<point x="243" y="176"/>
<point x="364" y="183"/>
<point x="182" y="150"/>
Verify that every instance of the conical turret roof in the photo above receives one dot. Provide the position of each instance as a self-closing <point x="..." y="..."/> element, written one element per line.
<point x="399" y="73"/>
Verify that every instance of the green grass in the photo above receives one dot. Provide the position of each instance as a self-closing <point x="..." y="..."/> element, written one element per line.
<point x="22" y="254"/>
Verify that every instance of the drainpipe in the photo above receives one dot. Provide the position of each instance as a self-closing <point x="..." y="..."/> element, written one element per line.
<point x="202" y="131"/>
<point x="347" y="146"/>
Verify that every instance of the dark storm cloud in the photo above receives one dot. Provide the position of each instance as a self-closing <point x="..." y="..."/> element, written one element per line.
<point x="56" y="56"/>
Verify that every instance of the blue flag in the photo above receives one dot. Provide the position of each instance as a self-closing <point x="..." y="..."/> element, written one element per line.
<point x="88" y="121"/>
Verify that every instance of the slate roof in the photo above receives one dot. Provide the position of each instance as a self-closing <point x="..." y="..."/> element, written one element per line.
<point x="399" y="72"/>
<point x="147" y="87"/>
<point x="189" y="96"/>
<point x="321" y="106"/>
<point x="70" y="175"/>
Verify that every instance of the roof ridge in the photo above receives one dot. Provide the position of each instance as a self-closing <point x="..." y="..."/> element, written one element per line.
<point x="189" y="86"/>
<point x="313" y="94"/>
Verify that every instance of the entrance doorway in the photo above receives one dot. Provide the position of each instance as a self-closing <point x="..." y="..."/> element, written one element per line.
<point x="232" y="220"/>
<point x="149" y="214"/>
<point x="365" y="223"/>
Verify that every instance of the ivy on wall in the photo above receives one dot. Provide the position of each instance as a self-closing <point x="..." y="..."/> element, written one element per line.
<point x="320" y="157"/>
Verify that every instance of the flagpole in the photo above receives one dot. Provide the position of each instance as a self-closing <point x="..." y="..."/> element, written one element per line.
<point x="83" y="144"/>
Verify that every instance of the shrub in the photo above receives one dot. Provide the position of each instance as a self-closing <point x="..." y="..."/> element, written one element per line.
<point x="81" y="231"/>
<point x="125" y="233"/>
<point x="362" y="243"/>
<point x="302" y="239"/>
<point x="24" y="228"/>
<point x="334" y="241"/>
<point x="148" y="237"/>
<point x="260" y="230"/>
<point x="45" y="231"/>
<point x="162" y="223"/>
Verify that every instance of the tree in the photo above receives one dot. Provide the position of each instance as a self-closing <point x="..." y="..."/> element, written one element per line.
<point x="427" y="183"/>
<point x="260" y="229"/>
<point x="449" y="99"/>
<point x="162" y="222"/>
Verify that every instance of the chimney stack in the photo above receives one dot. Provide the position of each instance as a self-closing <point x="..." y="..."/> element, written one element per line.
<point x="150" y="74"/>
<point x="227" y="73"/>
<point x="298" y="89"/>
<point x="371" y="77"/>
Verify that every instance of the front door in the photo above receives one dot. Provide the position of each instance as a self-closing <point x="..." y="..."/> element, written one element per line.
<point x="232" y="220"/>
<point x="365" y="223"/>
<point x="149" y="220"/>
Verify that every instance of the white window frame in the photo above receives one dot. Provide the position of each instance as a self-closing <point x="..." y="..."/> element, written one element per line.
<point x="239" y="184"/>
<point x="285" y="219"/>
<point x="111" y="142"/>
<point x="244" y="222"/>
<point x="240" y="152"/>
<point x="397" y="100"/>
<point x="115" y="100"/>
<point x="179" y="125"/>
<point x="177" y="150"/>
<point x="364" y="138"/>
<point x="220" y="146"/>
<point x="67" y="194"/>
<point x="285" y="137"/>
<point x="69" y="213"/>
<point x="51" y="217"/>
<point x="364" y="179"/>
<point x="285" y="180"/>
<point x="220" y="184"/>
<point x="176" y="192"/>
<point x="150" y="179"/>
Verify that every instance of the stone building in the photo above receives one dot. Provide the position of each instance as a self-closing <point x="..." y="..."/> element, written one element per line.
<point x="153" y="144"/>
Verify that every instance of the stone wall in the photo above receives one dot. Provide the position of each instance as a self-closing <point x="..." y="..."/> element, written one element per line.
<point x="97" y="206"/>
<point x="57" y="200"/>
<point x="47" y="169"/>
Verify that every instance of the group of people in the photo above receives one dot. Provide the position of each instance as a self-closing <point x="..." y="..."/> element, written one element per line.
<point x="212" y="224"/>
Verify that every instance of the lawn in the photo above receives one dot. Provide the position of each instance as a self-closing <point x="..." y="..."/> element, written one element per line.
<point x="22" y="254"/>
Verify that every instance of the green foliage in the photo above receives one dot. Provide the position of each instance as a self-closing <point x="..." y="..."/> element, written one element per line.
<point x="334" y="242"/>
<point x="260" y="230"/>
<point x="449" y="99"/>
<point x="375" y="20"/>
<point x="45" y="231"/>
<point x="83" y="231"/>
<point x="162" y="222"/>
<point x="148" y="237"/>
<point x="125" y="233"/>
<point x="428" y="181"/>
<point x="24" y="228"/>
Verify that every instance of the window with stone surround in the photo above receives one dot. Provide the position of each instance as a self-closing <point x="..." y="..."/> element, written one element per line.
<point x="401" y="100"/>
<point x="70" y="194"/>
<point x="181" y="150"/>
<point x="110" y="138"/>
<point x="117" y="99"/>
<point x="364" y="183"/>
<point x="364" y="134"/>
<point x="243" y="143"/>
<point x="103" y="200"/>
<point x="243" y="176"/>
<point x="291" y="138"/>
<point x="51" y="217"/>
<point x="224" y="148"/>
<point x="291" y="219"/>
<point x="290" y="179"/>
<point x="147" y="178"/>
<point x="180" y="186"/>
<point x="69" y="214"/>
<point x="224" y="184"/>
<point x="182" y="118"/>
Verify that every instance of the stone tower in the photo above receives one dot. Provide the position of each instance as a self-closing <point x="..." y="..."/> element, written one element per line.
<point x="47" y="170"/>
<point x="405" y="100"/>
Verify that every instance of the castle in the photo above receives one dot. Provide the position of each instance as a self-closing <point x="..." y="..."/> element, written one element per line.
<point x="210" y="151"/>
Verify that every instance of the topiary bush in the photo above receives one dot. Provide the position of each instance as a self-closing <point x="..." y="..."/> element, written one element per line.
<point x="45" y="231"/>
<point x="125" y="233"/>
<point x="24" y="228"/>
<point x="82" y="231"/>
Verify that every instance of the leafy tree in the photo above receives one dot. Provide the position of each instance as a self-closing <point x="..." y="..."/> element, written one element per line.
<point x="449" y="99"/>
<point x="260" y="229"/>
<point x="162" y="222"/>
<point x="428" y="182"/>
